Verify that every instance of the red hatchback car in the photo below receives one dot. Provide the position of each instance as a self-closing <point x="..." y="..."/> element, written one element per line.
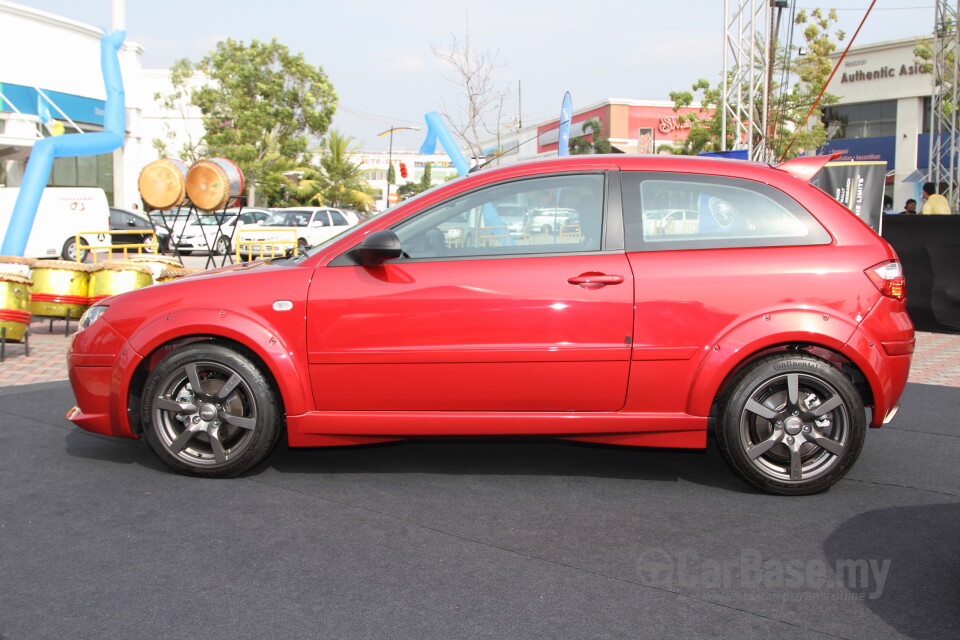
<point x="673" y="293"/>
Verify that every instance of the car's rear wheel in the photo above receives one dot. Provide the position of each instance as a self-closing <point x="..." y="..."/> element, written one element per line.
<point x="791" y="424"/>
<point x="222" y="246"/>
<point x="208" y="410"/>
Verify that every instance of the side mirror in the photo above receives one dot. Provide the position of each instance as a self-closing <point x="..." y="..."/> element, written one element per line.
<point x="378" y="247"/>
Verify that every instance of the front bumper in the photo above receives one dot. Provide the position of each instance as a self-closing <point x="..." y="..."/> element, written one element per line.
<point x="99" y="363"/>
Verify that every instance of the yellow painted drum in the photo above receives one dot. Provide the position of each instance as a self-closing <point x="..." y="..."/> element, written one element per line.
<point x="172" y="274"/>
<point x="163" y="183"/>
<point x="157" y="264"/>
<point x="16" y="264"/>
<point x="110" y="278"/>
<point x="14" y="305"/>
<point x="60" y="288"/>
<point x="213" y="184"/>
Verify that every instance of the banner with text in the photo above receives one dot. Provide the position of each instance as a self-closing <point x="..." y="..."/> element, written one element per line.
<point x="858" y="186"/>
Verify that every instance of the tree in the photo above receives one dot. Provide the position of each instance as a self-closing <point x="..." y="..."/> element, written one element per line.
<point x="338" y="180"/>
<point x="790" y="101"/>
<point x="178" y="103"/>
<point x="580" y="144"/>
<point x="481" y="102"/>
<point x="426" y="180"/>
<point x="260" y="107"/>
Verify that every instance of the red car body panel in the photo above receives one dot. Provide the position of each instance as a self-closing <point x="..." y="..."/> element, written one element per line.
<point x="440" y="348"/>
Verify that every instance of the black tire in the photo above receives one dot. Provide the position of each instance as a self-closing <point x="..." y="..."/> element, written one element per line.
<point x="214" y="433"/>
<point x="222" y="246"/>
<point x="791" y="424"/>
<point x="69" y="251"/>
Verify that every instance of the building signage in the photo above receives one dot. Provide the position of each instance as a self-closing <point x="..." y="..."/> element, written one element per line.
<point x="878" y="74"/>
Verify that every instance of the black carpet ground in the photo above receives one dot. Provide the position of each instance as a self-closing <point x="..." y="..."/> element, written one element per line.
<point x="472" y="540"/>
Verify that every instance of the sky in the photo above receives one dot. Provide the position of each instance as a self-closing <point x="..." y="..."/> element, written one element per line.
<point x="380" y="57"/>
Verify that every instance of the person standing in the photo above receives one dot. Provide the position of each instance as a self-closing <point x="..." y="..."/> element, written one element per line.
<point x="909" y="207"/>
<point x="933" y="202"/>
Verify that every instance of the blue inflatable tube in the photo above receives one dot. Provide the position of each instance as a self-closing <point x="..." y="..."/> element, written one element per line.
<point x="65" y="146"/>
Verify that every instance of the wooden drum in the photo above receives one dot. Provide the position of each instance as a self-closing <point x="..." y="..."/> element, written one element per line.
<point x="60" y="288"/>
<point x="172" y="274"/>
<point x="156" y="264"/>
<point x="110" y="278"/>
<point x="16" y="264"/>
<point x="163" y="183"/>
<point x="14" y="305"/>
<point x="214" y="183"/>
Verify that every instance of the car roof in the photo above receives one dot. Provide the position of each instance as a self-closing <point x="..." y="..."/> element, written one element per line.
<point x="665" y="163"/>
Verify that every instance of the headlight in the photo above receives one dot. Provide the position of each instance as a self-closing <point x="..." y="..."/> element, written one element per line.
<point x="90" y="316"/>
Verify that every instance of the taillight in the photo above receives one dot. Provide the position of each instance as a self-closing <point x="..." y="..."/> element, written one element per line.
<point x="888" y="278"/>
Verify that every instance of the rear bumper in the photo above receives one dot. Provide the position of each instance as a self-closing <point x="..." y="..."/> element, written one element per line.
<point x="882" y="347"/>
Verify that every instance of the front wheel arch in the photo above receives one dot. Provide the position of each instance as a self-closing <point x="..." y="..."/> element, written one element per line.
<point x="150" y="362"/>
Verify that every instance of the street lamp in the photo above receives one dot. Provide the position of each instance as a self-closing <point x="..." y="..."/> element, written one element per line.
<point x="390" y="156"/>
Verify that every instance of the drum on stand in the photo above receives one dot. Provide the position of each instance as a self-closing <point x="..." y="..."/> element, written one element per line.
<point x="14" y="305"/>
<point x="163" y="183"/>
<point x="60" y="288"/>
<point x="213" y="184"/>
<point x="110" y="278"/>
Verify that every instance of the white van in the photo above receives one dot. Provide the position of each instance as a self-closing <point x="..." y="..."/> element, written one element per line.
<point x="63" y="212"/>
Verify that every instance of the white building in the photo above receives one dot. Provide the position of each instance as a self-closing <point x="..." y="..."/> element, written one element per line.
<point x="53" y="67"/>
<point x="374" y="165"/>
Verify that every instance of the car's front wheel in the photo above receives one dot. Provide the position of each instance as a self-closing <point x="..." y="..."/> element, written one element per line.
<point x="209" y="410"/>
<point x="70" y="250"/>
<point x="791" y="424"/>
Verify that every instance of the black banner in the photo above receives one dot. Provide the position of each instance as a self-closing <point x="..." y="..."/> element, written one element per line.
<point x="858" y="186"/>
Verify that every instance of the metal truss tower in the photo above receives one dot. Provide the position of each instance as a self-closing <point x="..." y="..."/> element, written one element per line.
<point x="747" y="60"/>
<point x="944" y="101"/>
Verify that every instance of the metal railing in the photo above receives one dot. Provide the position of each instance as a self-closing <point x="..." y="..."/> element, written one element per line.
<point x="151" y="246"/>
<point x="265" y="248"/>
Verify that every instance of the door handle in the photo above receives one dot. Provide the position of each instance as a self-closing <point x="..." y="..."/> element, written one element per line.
<point x="595" y="280"/>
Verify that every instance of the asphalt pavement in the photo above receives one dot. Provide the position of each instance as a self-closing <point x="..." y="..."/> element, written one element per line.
<point x="482" y="539"/>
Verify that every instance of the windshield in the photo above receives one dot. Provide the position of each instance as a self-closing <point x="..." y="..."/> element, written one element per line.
<point x="288" y="219"/>
<point x="218" y="220"/>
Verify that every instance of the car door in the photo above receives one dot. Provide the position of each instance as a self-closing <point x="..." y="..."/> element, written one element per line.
<point x="504" y="324"/>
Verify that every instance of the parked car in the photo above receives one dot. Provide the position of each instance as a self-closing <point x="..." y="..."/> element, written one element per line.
<point x="779" y="320"/>
<point x="172" y="221"/>
<point x="214" y="232"/>
<point x="128" y="220"/>
<point x="313" y="225"/>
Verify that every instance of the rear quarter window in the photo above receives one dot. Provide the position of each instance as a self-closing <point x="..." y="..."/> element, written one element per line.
<point x="664" y="211"/>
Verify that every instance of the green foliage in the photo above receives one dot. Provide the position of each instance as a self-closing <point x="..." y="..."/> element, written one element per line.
<point x="391" y="174"/>
<point x="260" y="108"/>
<point x="580" y="145"/>
<point x="789" y="105"/>
<point x="337" y="181"/>
<point x="410" y="189"/>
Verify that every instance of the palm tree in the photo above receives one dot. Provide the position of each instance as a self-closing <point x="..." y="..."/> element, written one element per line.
<point x="337" y="181"/>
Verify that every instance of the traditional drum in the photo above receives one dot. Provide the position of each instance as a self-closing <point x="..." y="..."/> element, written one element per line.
<point x="214" y="183"/>
<point x="110" y="278"/>
<point x="59" y="288"/>
<point x="14" y="305"/>
<point x="172" y="274"/>
<point x="163" y="183"/>
<point x="157" y="264"/>
<point x="16" y="264"/>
